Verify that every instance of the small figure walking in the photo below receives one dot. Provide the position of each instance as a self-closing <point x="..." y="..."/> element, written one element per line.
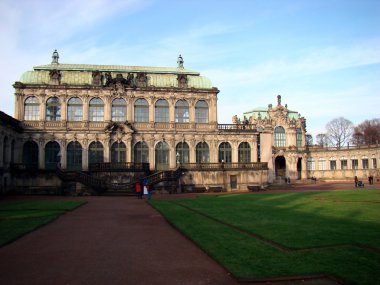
<point x="356" y="181"/>
<point x="138" y="190"/>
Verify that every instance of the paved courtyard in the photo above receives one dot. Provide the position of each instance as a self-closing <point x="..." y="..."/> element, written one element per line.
<point x="115" y="240"/>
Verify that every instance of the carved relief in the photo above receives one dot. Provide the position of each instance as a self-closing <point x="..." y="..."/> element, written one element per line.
<point x="141" y="79"/>
<point x="182" y="80"/>
<point x="97" y="78"/>
<point x="55" y="77"/>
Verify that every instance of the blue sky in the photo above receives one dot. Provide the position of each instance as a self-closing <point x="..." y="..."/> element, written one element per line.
<point x="322" y="56"/>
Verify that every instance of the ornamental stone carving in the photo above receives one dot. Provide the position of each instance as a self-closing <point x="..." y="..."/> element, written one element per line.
<point x="55" y="77"/>
<point x="97" y="78"/>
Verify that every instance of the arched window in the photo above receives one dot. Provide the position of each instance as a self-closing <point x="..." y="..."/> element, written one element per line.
<point x="182" y="153"/>
<point x="201" y="112"/>
<point x="225" y="152"/>
<point x="118" y="152"/>
<point x="95" y="152"/>
<point x="162" y="156"/>
<point x="162" y="111"/>
<point x="202" y="153"/>
<point x="182" y="111"/>
<point x="119" y="110"/>
<point x="141" y="111"/>
<point x="299" y="137"/>
<point x="75" y="110"/>
<point x="96" y="110"/>
<point x="51" y="155"/>
<point x="13" y="143"/>
<point x="74" y="156"/>
<point x="31" y="109"/>
<point x="141" y="152"/>
<point x="244" y="152"/>
<point x="5" y="150"/>
<point x="53" y="109"/>
<point x="279" y="137"/>
<point x="30" y="153"/>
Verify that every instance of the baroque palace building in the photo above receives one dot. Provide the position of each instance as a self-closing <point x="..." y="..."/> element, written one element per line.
<point x="104" y="127"/>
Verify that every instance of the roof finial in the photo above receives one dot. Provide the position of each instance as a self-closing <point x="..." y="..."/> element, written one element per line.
<point x="278" y="100"/>
<point x="180" y="62"/>
<point x="55" y="57"/>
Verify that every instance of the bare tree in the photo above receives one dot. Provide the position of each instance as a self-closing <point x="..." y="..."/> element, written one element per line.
<point x="322" y="140"/>
<point x="339" y="131"/>
<point x="367" y="132"/>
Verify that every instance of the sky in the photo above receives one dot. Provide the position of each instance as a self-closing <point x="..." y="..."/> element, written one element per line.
<point x="321" y="56"/>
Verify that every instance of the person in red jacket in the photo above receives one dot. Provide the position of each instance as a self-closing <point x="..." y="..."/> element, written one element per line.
<point x="138" y="190"/>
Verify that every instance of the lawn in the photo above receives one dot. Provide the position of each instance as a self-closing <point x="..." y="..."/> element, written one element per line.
<point x="19" y="218"/>
<point x="277" y="235"/>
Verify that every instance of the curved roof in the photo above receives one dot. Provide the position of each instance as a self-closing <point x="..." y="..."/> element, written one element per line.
<point x="81" y="74"/>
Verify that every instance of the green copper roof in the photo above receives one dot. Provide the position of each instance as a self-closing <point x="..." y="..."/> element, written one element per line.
<point x="81" y="74"/>
<point x="264" y="113"/>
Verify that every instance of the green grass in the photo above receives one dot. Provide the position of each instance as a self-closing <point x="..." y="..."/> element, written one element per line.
<point x="334" y="233"/>
<point x="19" y="218"/>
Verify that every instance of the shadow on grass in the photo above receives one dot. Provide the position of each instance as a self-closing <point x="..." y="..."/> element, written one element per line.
<point x="292" y="220"/>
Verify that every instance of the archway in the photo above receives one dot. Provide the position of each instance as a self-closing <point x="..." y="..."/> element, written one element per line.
<point x="299" y="168"/>
<point x="280" y="164"/>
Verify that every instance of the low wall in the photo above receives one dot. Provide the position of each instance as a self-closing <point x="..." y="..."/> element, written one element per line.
<point x="229" y="180"/>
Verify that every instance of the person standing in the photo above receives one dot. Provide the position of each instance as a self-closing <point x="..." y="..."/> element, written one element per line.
<point x="138" y="190"/>
<point x="356" y="181"/>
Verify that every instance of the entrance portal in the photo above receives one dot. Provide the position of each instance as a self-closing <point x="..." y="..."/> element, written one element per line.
<point x="280" y="164"/>
<point x="299" y="168"/>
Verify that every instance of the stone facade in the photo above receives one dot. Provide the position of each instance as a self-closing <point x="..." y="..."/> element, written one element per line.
<point x="76" y="116"/>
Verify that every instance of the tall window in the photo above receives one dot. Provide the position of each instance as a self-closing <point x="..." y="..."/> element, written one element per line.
<point x="75" y="110"/>
<point x="182" y="111"/>
<point x="332" y="164"/>
<point x="74" y="156"/>
<point x="374" y="163"/>
<point x="118" y="152"/>
<point x="201" y="112"/>
<point x="321" y="164"/>
<point x="141" y="111"/>
<point x="225" y="152"/>
<point x="182" y="153"/>
<point x="5" y="150"/>
<point x="31" y="109"/>
<point x="279" y="137"/>
<point x="30" y="153"/>
<point x="141" y="152"/>
<point x="202" y="153"/>
<point x="119" y="108"/>
<point x="299" y="137"/>
<point x="51" y="155"/>
<point x="13" y="151"/>
<point x="244" y="152"/>
<point x="53" y="109"/>
<point x="95" y="152"/>
<point x="162" y="156"/>
<point x="162" y="111"/>
<point x="310" y="164"/>
<point x="354" y="164"/>
<point x="343" y="164"/>
<point x="96" y="111"/>
<point x="365" y="163"/>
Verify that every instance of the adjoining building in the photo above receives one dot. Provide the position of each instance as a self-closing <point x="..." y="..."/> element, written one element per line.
<point x="103" y="127"/>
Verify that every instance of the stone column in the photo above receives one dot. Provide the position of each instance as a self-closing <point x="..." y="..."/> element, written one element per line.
<point x="253" y="145"/>
<point x="129" y="109"/>
<point x="152" y="162"/>
<point x="151" y="109"/>
<point x="42" y="99"/>
<point x="106" y="150"/>
<point x="192" y="110"/>
<point x="63" y="108"/>
<point x="85" y="154"/>
<point x="107" y="108"/>
<point x="85" y="100"/>
<point x="63" y="154"/>
<point x="41" y="154"/>
<point x="128" y="143"/>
